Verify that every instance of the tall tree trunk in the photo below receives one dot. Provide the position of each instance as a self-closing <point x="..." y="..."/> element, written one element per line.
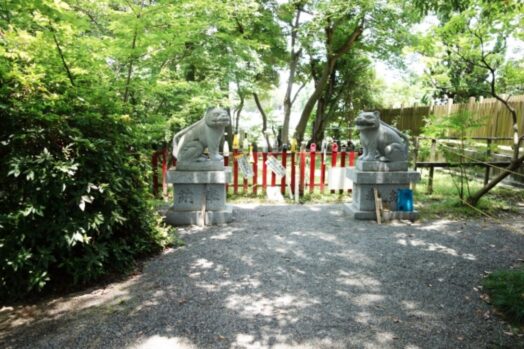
<point x="332" y="57"/>
<point x="131" y="59"/>
<point x="293" y="63"/>
<point x="238" y="110"/>
<point x="264" y="120"/>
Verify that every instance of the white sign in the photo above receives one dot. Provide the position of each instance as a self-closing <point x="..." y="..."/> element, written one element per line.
<point x="274" y="194"/>
<point x="276" y="166"/>
<point x="245" y="167"/>
<point x="337" y="179"/>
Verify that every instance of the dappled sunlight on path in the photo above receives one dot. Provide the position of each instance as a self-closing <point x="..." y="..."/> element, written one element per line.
<point x="291" y="277"/>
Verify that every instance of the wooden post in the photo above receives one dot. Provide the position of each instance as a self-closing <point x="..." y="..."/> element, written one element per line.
<point x="302" y="171"/>
<point x="264" y="171"/>
<point x="334" y="150"/>
<point x="352" y="158"/>
<point x="432" y="169"/>
<point x="235" y="171"/>
<point x="415" y="152"/>
<point x="342" y="164"/>
<point x="255" y="172"/>
<point x="293" y="172"/>
<point x="164" y="172"/>
<point x="226" y="163"/>
<point x="283" y="179"/>
<point x="273" y="175"/>
<point x="322" y="171"/>
<point x="312" y="163"/>
<point x="488" y="159"/>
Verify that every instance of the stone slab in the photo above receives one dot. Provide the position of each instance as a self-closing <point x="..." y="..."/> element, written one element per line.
<point x="208" y="165"/>
<point x="360" y="177"/>
<point x="198" y="177"/>
<point x="189" y="197"/>
<point x="179" y="218"/>
<point x="380" y="166"/>
<point x="371" y="215"/>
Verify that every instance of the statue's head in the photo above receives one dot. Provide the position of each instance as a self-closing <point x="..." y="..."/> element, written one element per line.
<point x="217" y="117"/>
<point x="368" y="120"/>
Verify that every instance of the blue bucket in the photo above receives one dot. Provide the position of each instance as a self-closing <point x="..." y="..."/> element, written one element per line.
<point x="405" y="200"/>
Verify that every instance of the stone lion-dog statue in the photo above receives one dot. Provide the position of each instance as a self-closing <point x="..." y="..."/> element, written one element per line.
<point x="381" y="142"/>
<point x="190" y="143"/>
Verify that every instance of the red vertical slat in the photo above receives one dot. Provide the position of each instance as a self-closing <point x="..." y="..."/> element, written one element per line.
<point x="342" y="163"/>
<point x="255" y="172"/>
<point x="226" y="163"/>
<point x="322" y="172"/>
<point x="342" y="159"/>
<point x="293" y="172"/>
<point x="164" y="171"/>
<point x="352" y="158"/>
<point x="302" y="171"/>
<point x="312" y="163"/>
<point x="334" y="150"/>
<point x="264" y="170"/>
<point x="283" y="180"/>
<point x="235" y="171"/>
<point x="273" y="175"/>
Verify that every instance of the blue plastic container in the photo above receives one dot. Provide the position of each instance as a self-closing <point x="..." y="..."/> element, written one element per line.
<point x="405" y="200"/>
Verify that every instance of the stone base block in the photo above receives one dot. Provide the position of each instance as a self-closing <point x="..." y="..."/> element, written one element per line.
<point x="177" y="218"/>
<point x="387" y="178"/>
<point x="207" y="165"/>
<point x="176" y="176"/>
<point x="387" y="215"/>
<point x="379" y="166"/>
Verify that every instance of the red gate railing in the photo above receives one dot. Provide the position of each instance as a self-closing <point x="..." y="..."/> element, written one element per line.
<point x="311" y="162"/>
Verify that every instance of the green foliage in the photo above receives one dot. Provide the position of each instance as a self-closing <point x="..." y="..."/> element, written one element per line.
<point x="506" y="291"/>
<point x="74" y="198"/>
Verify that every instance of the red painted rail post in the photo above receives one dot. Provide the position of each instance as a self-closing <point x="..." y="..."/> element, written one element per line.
<point x="352" y="158"/>
<point x="312" y="165"/>
<point x="302" y="172"/>
<point x="255" y="171"/>
<point x="342" y="163"/>
<point x="264" y="171"/>
<point x="293" y="170"/>
<point x="283" y="180"/>
<point x="334" y="150"/>
<point x="226" y="163"/>
<point x="165" y="155"/>
<point x="273" y="175"/>
<point x="322" y="171"/>
<point x="154" y="165"/>
<point x="235" y="171"/>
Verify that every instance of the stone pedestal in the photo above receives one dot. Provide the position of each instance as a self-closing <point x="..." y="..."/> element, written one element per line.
<point x="200" y="196"/>
<point x="387" y="184"/>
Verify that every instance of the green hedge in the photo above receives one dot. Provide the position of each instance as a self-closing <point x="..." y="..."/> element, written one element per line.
<point x="74" y="197"/>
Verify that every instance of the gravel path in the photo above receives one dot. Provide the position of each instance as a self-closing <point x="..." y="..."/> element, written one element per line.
<point x="292" y="277"/>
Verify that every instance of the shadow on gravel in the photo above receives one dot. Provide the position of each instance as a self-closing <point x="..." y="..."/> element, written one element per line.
<point x="295" y="277"/>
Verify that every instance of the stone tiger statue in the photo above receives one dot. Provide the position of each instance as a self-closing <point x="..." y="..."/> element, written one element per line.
<point x="381" y="142"/>
<point x="189" y="144"/>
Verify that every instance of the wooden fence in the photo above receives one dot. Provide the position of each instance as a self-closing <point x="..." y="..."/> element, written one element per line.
<point x="308" y="167"/>
<point x="494" y="117"/>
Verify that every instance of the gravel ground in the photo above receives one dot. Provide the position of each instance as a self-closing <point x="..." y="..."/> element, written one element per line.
<point x="292" y="277"/>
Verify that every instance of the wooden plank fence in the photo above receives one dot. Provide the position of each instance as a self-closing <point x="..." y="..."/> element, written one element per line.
<point x="495" y="118"/>
<point x="311" y="164"/>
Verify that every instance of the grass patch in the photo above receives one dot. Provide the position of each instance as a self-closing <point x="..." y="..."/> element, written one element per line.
<point x="445" y="202"/>
<point x="506" y="291"/>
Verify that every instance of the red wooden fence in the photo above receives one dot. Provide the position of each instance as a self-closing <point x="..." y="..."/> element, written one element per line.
<point x="315" y="160"/>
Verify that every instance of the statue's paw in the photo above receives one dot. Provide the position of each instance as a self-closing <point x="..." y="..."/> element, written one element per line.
<point x="217" y="157"/>
<point x="383" y="159"/>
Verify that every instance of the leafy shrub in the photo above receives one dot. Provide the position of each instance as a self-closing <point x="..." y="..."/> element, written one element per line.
<point x="74" y="198"/>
